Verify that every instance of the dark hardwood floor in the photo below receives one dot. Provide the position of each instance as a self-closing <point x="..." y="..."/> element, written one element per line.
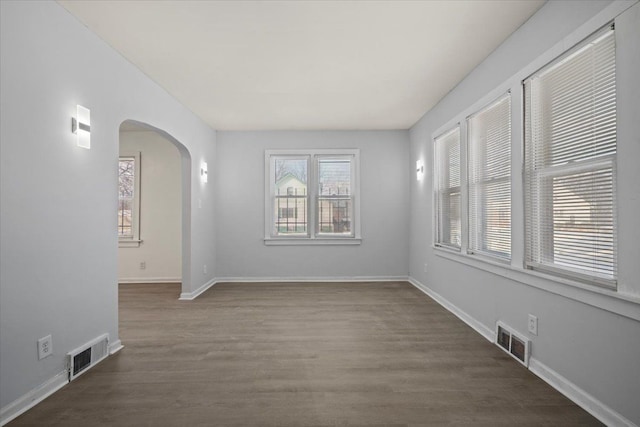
<point x="301" y="354"/>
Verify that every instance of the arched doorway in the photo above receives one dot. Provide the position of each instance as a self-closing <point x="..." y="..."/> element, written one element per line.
<point x="159" y="211"/>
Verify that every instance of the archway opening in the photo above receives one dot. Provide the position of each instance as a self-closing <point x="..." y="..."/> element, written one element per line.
<point x="154" y="206"/>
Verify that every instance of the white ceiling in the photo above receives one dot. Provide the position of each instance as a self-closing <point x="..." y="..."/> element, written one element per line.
<point x="257" y="65"/>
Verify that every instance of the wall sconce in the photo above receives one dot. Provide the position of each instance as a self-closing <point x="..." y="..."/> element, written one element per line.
<point x="419" y="170"/>
<point x="81" y="126"/>
<point x="203" y="171"/>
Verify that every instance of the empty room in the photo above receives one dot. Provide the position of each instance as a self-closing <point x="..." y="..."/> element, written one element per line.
<point x="320" y="213"/>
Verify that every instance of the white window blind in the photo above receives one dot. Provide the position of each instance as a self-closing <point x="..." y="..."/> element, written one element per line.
<point x="570" y="149"/>
<point x="447" y="188"/>
<point x="489" y="179"/>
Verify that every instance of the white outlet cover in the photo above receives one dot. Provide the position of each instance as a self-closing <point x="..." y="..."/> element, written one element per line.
<point x="45" y="347"/>
<point x="533" y="324"/>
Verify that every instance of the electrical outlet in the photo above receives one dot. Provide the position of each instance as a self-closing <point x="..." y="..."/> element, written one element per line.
<point x="533" y="324"/>
<point x="143" y="265"/>
<point x="45" y="347"/>
<point x="425" y="267"/>
<point x="204" y="269"/>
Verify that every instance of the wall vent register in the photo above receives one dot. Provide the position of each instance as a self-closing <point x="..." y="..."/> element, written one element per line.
<point x="514" y="344"/>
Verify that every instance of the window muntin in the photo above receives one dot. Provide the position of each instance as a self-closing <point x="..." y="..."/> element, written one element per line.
<point x="448" y="189"/>
<point x="570" y="150"/>
<point x="489" y="179"/>
<point x="312" y="195"/>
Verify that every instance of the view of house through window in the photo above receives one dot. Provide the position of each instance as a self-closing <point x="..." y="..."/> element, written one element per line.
<point x="291" y="198"/>
<point x="334" y="195"/>
<point x="312" y="193"/>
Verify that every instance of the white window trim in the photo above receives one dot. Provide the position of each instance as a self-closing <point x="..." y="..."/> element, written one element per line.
<point x="312" y="237"/>
<point x="437" y="240"/>
<point x="571" y="168"/>
<point x="466" y="140"/>
<point x="134" y="241"/>
<point x="613" y="300"/>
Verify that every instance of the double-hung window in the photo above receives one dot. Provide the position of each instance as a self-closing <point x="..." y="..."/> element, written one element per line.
<point x="489" y="179"/>
<point x="312" y="196"/>
<point x="447" y="189"/>
<point x="129" y="199"/>
<point x="570" y="159"/>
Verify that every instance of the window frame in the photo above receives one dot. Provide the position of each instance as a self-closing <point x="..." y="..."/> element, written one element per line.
<point x="134" y="240"/>
<point x="437" y="238"/>
<point x="572" y="286"/>
<point x="468" y="184"/>
<point x="313" y="236"/>
<point x="590" y="164"/>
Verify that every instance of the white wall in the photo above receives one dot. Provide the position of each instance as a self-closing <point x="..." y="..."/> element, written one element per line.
<point x="589" y="340"/>
<point x="58" y="257"/>
<point x="160" y="211"/>
<point x="384" y="182"/>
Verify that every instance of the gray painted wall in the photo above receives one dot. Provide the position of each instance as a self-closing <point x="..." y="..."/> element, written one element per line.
<point x="590" y="338"/>
<point x="384" y="197"/>
<point x="58" y="257"/>
<point x="58" y="260"/>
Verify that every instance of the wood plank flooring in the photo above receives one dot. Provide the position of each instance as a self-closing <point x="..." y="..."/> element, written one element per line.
<point x="301" y="354"/>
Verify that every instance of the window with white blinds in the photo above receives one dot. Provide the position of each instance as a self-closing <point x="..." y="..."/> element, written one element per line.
<point x="489" y="180"/>
<point x="447" y="188"/>
<point x="570" y="157"/>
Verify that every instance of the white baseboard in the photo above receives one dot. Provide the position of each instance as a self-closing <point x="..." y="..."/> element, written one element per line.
<point x="128" y="280"/>
<point x="312" y="279"/>
<point x="115" y="347"/>
<point x="38" y="394"/>
<point x="188" y="296"/>
<point x="32" y="398"/>
<point x="580" y="397"/>
<point x="488" y="333"/>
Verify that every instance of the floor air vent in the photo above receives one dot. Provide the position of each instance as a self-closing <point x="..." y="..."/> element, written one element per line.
<point x="86" y="356"/>
<point x="513" y="343"/>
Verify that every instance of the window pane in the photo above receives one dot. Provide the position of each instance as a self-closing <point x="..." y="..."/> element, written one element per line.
<point x="290" y="204"/>
<point x="125" y="218"/>
<point x="490" y="179"/>
<point x="334" y="216"/>
<point x="447" y="187"/>
<point x="334" y="177"/>
<point x="583" y="221"/>
<point x="126" y="181"/>
<point x="570" y="148"/>
<point x="334" y="196"/>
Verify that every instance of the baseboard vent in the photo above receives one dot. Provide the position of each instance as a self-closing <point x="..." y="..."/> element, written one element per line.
<point x="513" y="343"/>
<point x="87" y="355"/>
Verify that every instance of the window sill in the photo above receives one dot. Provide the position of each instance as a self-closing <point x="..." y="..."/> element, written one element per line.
<point x="129" y="243"/>
<point x="318" y="241"/>
<point x="606" y="299"/>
